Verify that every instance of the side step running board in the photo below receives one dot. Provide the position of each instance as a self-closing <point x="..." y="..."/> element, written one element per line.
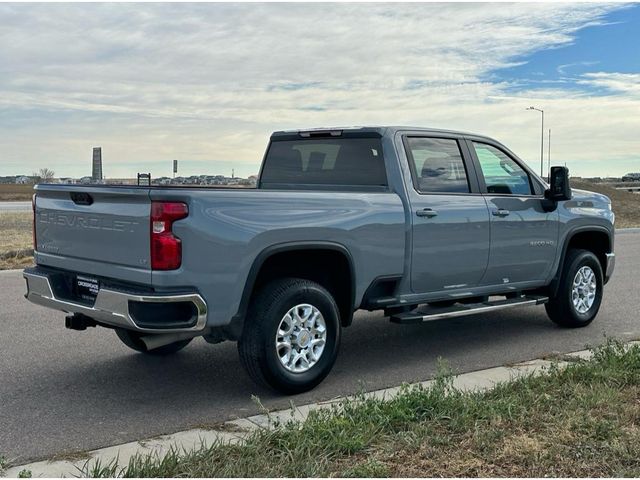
<point x="426" y="313"/>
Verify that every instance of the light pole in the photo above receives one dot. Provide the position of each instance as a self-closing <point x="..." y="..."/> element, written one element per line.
<point x="549" y="157"/>
<point x="541" y="140"/>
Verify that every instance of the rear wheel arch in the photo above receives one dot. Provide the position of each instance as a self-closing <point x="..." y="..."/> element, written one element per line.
<point x="327" y="263"/>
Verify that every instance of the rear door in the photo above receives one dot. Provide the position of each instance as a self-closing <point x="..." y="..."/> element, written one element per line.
<point x="449" y="216"/>
<point x="99" y="230"/>
<point x="523" y="236"/>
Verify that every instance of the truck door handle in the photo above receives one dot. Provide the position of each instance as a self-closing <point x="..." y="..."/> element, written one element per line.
<point x="501" y="212"/>
<point x="426" y="212"/>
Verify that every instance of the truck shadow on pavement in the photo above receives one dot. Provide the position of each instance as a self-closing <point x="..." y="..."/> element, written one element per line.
<point x="374" y="354"/>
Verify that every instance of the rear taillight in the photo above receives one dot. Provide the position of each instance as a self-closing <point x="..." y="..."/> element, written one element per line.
<point x="166" y="248"/>
<point x="33" y="206"/>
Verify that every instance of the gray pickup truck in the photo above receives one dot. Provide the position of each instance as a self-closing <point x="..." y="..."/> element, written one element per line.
<point x="424" y="224"/>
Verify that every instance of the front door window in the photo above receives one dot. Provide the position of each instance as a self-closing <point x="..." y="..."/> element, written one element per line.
<point x="502" y="175"/>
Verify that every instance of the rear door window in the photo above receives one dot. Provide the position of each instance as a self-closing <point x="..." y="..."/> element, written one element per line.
<point x="437" y="165"/>
<point x="325" y="161"/>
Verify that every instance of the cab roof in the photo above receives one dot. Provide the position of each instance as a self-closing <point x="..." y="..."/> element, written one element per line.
<point x="364" y="130"/>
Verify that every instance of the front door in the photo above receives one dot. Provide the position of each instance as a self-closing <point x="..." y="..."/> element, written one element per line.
<point x="523" y="236"/>
<point x="449" y="217"/>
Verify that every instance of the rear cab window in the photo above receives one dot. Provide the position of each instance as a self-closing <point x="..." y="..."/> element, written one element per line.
<point x="324" y="162"/>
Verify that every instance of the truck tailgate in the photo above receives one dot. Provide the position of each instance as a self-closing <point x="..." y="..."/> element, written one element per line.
<point x="99" y="230"/>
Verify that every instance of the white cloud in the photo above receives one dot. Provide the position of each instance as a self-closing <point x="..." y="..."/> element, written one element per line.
<point x="210" y="81"/>
<point x="628" y="83"/>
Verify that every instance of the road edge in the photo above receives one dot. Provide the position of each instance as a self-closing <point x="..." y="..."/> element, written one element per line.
<point x="628" y="230"/>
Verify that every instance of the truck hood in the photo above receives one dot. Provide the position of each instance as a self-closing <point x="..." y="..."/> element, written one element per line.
<point x="586" y="195"/>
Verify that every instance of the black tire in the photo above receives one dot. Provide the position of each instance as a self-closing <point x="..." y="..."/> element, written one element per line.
<point x="257" y="348"/>
<point x="560" y="308"/>
<point x="132" y="340"/>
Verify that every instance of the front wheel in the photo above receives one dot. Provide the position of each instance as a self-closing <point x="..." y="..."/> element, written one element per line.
<point x="132" y="340"/>
<point x="291" y="335"/>
<point x="579" y="295"/>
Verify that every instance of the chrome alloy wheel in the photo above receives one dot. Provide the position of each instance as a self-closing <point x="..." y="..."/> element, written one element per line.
<point x="301" y="337"/>
<point x="583" y="292"/>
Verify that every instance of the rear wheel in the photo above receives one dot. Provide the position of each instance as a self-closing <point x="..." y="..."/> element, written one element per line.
<point x="291" y="335"/>
<point x="133" y="340"/>
<point x="579" y="295"/>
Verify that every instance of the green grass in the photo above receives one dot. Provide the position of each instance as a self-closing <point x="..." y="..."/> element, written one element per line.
<point x="583" y="420"/>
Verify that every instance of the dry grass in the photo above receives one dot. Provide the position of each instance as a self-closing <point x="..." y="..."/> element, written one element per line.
<point x="626" y="205"/>
<point x="568" y="443"/>
<point x="16" y="262"/>
<point x="16" y="230"/>
<point x="13" y="193"/>
<point x="16" y="241"/>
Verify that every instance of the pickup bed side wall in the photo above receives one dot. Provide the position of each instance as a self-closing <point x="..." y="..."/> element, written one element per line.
<point x="227" y="230"/>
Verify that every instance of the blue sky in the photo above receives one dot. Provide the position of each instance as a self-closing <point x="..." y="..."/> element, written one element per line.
<point x="610" y="46"/>
<point x="207" y="83"/>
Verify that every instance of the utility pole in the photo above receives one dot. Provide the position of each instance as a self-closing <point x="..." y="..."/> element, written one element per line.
<point x="541" y="140"/>
<point x="549" y="157"/>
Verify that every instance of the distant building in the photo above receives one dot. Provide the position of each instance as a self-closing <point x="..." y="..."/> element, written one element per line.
<point x="96" y="172"/>
<point x="24" y="180"/>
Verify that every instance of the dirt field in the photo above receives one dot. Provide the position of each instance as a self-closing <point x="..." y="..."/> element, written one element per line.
<point x="626" y="205"/>
<point x="15" y="193"/>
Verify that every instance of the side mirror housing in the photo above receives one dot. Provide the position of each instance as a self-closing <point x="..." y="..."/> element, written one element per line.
<point x="560" y="188"/>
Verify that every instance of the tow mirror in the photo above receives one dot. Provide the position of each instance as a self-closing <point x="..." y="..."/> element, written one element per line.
<point x="560" y="188"/>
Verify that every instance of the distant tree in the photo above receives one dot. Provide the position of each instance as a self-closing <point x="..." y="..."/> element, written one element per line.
<point x="45" y="174"/>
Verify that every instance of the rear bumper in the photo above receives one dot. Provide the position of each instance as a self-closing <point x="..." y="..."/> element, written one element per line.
<point x="114" y="308"/>
<point x="611" y="265"/>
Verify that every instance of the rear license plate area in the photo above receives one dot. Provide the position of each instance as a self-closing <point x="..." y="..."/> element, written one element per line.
<point x="87" y="288"/>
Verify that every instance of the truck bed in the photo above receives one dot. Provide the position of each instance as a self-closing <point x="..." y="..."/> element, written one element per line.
<point x="225" y="232"/>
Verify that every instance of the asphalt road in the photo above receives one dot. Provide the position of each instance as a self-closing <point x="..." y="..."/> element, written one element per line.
<point x="15" y="206"/>
<point x="64" y="391"/>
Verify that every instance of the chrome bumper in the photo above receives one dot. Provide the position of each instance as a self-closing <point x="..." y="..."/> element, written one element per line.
<point x="611" y="265"/>
<point x="111" y="307"/>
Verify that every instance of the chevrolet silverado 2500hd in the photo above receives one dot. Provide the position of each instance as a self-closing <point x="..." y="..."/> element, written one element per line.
<point x="425" y="224"/>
